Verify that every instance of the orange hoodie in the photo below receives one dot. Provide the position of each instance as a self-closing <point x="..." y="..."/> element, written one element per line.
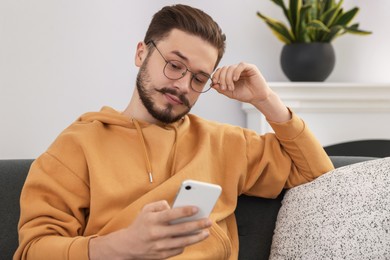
<point x="101" y="171"/>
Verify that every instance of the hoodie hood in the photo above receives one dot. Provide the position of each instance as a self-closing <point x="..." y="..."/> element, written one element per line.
<point x="110" y="116"/>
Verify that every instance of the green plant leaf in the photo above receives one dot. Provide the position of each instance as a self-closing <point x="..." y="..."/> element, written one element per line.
<point x="301" y="34"/>
<point x="329" y="4"/>
<point x="347" y="17"/>
<point x="334" y="32"/>
<point x="317" y="25"/>
<point x="279" y="29"/>
<point x="282" y="5"/>
<point x="281" y="32"/>
<point x="331" y="15"/>
<point x="279" y="3"/>
<point x="313" y="9"/>
<point x="294" y="10"/>
<point x="354" y="29"/>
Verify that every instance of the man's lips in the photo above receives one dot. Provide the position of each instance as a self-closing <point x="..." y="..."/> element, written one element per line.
<point x="173" y="99"/>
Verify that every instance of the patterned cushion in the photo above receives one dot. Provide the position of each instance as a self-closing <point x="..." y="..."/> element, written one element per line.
<point x="344" y="214"/>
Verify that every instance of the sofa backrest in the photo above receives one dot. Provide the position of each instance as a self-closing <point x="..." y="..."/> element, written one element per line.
<point x="379" y="148"/>
<point x="12" y="176"/>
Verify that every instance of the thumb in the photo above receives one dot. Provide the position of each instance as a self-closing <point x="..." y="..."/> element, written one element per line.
<point x="157" y="206"/>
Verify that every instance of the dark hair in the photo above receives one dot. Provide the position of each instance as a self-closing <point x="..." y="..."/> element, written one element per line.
<point x="187" y="19"/>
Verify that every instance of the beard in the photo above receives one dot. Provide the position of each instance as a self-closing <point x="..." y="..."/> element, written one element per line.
<point x="166" y="114"/>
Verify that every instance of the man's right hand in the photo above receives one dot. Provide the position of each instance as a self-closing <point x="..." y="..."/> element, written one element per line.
<point x="151" y="236"/>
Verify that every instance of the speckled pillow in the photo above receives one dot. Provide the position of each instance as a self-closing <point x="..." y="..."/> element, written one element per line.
<point x="344" y="214"/>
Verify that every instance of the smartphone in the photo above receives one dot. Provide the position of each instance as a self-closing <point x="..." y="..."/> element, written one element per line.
<point x="196" y="193"/>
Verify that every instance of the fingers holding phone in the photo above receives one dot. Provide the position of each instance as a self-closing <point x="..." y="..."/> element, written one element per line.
<point x="182" y="220"/>
<point x="151" y="236"/>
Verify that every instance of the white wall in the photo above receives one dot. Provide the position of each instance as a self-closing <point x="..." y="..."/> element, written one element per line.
<point x="59" y="59"/>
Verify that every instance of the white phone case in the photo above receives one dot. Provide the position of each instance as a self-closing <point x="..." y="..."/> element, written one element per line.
<point x="200" y="194"/>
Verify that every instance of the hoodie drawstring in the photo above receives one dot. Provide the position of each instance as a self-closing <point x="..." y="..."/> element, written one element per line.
<point x="145" y="150"/>
<point x="174" y="152"/>
<point x="142" y="140"/>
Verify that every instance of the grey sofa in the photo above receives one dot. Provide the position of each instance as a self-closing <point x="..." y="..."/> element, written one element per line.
<point x="255" y="216"/>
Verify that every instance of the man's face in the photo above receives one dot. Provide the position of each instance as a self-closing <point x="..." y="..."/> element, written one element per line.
<point x="169" y="100"/>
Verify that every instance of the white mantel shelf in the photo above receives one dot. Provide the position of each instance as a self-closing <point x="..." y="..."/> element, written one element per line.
<point x="337" y="97"/>
<point x="364" y="106"/>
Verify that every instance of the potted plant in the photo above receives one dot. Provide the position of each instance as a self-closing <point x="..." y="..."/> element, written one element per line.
<point x="313" y="24"/>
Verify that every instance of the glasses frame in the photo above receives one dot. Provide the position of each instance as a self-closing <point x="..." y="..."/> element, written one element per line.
<point x="193" y="74"/>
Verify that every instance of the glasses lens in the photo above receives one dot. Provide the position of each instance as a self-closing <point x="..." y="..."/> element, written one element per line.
<point x="201" y="82"/>
<point x="175" y="69"/>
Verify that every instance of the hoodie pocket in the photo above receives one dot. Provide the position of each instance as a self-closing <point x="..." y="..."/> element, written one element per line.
<point x="216" y="247"/>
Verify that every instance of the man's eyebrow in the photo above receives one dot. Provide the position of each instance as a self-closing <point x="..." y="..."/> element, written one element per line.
<point x="183" y="57"/>
<point x="178" y="53"/>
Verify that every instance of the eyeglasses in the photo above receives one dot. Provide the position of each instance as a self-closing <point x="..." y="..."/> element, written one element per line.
<point x="174" y="69"/>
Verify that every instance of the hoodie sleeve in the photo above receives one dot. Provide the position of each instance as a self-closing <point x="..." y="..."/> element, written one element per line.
<point x="54" y="208"/>
<point x="289" y="157"/>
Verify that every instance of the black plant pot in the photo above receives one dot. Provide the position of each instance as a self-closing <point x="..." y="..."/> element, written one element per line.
<point x="307" y="61"/>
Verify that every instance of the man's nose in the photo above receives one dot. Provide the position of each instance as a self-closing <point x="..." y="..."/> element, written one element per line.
<point x="184" y="83"/>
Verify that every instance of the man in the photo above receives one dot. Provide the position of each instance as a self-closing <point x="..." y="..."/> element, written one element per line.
<point x="103" y="189"/>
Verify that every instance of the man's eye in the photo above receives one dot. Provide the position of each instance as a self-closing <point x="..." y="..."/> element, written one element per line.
<point x="175" y="65"/>
<point x="200" y="79"/>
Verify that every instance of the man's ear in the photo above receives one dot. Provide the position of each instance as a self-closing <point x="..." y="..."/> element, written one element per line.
<point x="140" y="54"/>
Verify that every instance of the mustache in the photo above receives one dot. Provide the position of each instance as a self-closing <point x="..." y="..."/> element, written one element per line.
<point x="174" y="92"/>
